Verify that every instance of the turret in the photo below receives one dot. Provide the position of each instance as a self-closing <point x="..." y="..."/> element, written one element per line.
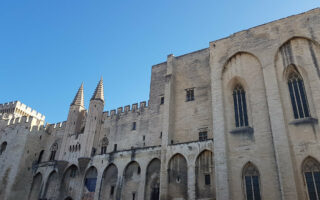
<point x="75" y="118"/>
<point x="93" y="121"/>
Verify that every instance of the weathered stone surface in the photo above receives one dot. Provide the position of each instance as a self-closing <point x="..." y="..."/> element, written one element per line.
<point x="153" y="150"/>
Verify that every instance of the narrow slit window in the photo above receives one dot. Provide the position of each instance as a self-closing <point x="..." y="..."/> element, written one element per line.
<point x="240" y="106"/>
<point x="298" y="97"/>
<point x="134" y="126"/>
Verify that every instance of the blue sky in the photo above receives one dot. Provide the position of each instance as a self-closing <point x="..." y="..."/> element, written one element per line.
<point x="47" y="48"/>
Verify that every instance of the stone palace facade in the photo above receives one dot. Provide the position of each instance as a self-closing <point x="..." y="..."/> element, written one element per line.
<point x="236" y="120"/>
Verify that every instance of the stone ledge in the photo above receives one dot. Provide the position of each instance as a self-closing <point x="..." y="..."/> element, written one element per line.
<point x="307" y="120"/>
<point x="245" y="129"/>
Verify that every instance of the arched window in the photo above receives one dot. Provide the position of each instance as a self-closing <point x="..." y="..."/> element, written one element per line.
<point x="298" y="95"/>
<point x="240" y="106"/>
<point x="3" y="147"/>
<point x="311" y="170"/>
<point x="251" y="182"/>
<point x="53" y="149"/>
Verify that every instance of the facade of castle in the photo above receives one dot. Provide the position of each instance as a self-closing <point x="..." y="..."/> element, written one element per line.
<point x="236" y="120"/>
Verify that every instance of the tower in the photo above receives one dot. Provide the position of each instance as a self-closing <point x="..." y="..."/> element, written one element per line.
<point x="93" y="121"/>
<point x="76" y="115"/>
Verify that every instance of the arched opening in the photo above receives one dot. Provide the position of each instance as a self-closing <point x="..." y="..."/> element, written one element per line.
<point x="205" y="187"/>
<point x="109" y="183"/>
<point x="69" y="182"/>
<point x="52" y="186"/>
<point x="3" y="147"/>
<point x="152" y="187"/>
<point x="311" y="172"/>
<point x="178" y="177"/>
<point x="251" y="178"/>
<point x="90" y="182"/>
<point x="36" y="187"/>
<point x="131" y="182"/>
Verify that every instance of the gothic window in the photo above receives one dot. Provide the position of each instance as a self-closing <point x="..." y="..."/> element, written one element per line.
<point x="298" y="95"/>
<point x="251" y="182"/>
<point x="311" y="170"/>
<point x="190" y="94"/>
<point x="3" y="147"/>
<point x="53" y="150"/>
<point x="240" y="106"/>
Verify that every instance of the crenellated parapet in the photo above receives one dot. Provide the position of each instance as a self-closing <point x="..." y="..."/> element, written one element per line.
<point x="33" y="124"/>
<point x="19" y="109"/>
<point x="122" y="111"/>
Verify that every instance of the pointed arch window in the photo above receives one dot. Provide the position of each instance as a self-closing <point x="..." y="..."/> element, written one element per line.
<point x="311" y="170"/>
<point x="251" y="182"/>
<point x="240" y="106"/>
<point x="298" y="95"/>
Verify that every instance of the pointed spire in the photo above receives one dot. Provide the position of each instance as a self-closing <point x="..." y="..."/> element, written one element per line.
<point x="79" y="99"/>
<point x="98" y="93"/>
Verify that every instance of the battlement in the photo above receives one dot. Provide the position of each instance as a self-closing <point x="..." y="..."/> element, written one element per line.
<point x="19" y="109"/>
<point x="34" y="124"/>
<point x="127" y="109"/>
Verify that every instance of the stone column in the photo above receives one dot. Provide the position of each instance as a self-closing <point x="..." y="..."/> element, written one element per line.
<point x="142" y="181"/>
<point x="280" y="138"/>
<point x="220" y="144"/>
<point x="98" y="186"/>
<point x="191" y="182"/>
<point x="168" y="116"/>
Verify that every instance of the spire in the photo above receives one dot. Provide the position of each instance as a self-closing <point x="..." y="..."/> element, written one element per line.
<point x="98" y="93"/>
<point x="79" y="99"/>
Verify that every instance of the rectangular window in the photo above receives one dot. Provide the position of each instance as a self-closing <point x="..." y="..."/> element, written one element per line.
<point x="207" y="179"/>
<point x="134" y="124"/>
<point x="161" y="100"/>
<point x="115" y="147"/>
<point x="190" y="94"/>
<point x="203" y="136"/>
<point x="112" y="190"/>
<point x="144" y="138"/>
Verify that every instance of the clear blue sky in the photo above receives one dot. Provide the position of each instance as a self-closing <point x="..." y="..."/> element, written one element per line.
<point x="48" y="47"/>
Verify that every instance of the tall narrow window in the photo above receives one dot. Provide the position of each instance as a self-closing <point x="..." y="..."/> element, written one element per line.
<point x="251" y="182"/>
<point x="240" y="106"/>
<point x="298" y="96"/>
<point x="161" y="100"/>
<point x="134" y="125"/>
<point x="311" y="170"/>
<point x="190" y="94"/>
<point x="3" y="147"/>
